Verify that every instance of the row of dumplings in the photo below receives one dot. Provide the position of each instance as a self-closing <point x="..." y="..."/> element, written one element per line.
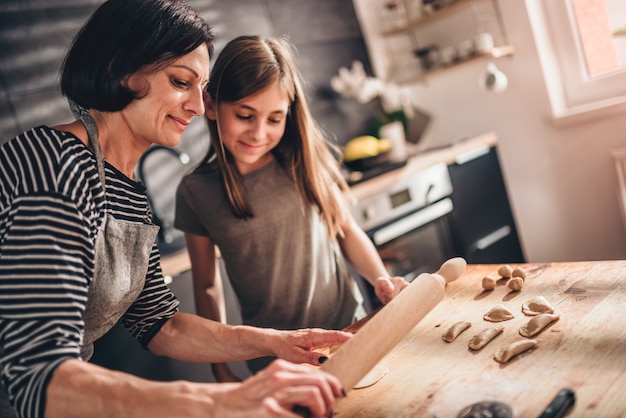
<point x="538" y="307"/>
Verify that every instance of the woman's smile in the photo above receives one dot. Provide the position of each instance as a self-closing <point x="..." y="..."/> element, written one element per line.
<point x="180" y="122"/>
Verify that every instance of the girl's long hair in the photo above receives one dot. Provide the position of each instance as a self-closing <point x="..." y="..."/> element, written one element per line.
<point x="247" y="65"/>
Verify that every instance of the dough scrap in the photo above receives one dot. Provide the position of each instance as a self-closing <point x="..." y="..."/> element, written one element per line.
<point x="373" y="376"/>
<point x="498" y="313"/>
<point x="519" y="272"/>
<point x="483" y="338"/>
<point x="506" y="353"/>
<point x="537" y="324"/>
<point x="455" y="330"/>
<point x="537" y="305"/>
<point x="516" y="283"/>
<point x="505" y="271"/>
<point x="489" y="283"/>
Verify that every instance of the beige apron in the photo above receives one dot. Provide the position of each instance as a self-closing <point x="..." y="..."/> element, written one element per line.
<point x="122" y="253"/>
<point x="121" y="263"/>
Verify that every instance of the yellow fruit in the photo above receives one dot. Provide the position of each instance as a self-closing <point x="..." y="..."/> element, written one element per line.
<point x="384" y="145"/>
<point x="365" y="146"/>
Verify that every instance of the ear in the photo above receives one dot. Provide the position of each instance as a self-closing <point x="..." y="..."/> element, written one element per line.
<point x="210" y="106"/>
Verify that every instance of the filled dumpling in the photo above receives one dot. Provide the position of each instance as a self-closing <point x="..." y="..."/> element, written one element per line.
<point x="511" y="350"/>
<point x="498" y="313"/>
<point x="537" y="324"/>
<point x="536" y="306"/>
<point x="455" y="330"/>
<point x="483" y="338"/>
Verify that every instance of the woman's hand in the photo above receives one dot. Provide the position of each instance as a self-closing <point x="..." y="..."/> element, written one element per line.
<point x="387" y="288"/>
<point x="277" y="389"/>
<point x="296" y="346"/>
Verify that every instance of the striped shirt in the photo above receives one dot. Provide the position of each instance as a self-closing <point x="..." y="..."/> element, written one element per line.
<point x="51" y="206"/>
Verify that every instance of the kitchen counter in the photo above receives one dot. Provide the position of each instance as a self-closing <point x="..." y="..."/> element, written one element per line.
<point x="584" y="350"/>
<point x="460" y="151"/>
<point x="178" y="262"/>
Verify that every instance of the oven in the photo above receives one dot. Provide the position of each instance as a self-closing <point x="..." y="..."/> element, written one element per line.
<point x="409" y="224"/>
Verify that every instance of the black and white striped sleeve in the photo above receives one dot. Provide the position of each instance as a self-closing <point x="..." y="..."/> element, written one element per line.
<point x="44" y="290"/>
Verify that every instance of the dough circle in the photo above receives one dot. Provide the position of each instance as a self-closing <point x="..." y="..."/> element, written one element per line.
<point x="372" y="377"/>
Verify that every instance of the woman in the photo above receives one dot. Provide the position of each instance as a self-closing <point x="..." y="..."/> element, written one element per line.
<point x="269" y="196"/>
<point x="77" y="244"/>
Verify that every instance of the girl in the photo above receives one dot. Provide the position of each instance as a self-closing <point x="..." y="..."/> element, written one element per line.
<point x="270" y="196"/>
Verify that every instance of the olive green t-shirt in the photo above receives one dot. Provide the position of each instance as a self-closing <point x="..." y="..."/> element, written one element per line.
<point x="285" y="270"/>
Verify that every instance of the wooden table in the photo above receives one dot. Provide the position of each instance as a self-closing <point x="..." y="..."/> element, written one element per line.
<point x="584" y="350"/>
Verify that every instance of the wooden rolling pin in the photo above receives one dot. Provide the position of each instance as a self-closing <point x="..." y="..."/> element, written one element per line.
<point x="383" y="331"/>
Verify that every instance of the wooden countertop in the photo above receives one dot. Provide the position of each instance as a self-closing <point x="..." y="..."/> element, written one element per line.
<point x="584" y="350"/>
<point x="178" y="262"/>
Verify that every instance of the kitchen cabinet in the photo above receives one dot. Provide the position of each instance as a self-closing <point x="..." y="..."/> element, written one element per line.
<point x="482" y="223"/>
<point x="395" y="36"/>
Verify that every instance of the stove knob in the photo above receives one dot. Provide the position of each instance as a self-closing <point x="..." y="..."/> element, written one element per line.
<point x="368" y="213"/>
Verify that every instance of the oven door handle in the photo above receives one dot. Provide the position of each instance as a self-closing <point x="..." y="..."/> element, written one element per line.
<point x="412" y="221"/>
<point x="491" y="238"/>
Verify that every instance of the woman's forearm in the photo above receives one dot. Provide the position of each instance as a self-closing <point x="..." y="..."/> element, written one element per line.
<point x="80" y="389"/>
<point x="191" y="338"/>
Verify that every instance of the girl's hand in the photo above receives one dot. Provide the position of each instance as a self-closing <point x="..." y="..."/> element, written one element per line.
<point x="387" y="288"/>
<point x="276" y="390"/>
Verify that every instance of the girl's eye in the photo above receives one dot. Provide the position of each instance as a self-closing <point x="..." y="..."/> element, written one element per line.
<point x="275" y="121"/>
<point x="244" y="117"/>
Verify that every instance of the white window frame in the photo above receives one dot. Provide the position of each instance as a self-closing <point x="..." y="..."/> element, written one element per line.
<point x="573" y="95"/>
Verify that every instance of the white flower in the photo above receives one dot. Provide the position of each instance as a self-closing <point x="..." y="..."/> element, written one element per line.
<point x="354" y="83"/>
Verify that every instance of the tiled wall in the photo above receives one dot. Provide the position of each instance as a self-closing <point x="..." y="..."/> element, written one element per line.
<point x="35" y="34"/>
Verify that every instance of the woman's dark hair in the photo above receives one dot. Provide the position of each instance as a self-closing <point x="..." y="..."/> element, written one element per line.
<point x="123" y="37"/>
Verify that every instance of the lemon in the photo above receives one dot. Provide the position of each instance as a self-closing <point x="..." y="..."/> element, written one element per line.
<point x="365" y="146"/>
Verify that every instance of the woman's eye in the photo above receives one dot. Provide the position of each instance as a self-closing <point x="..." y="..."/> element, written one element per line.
<point x="244" y="117"/>
<point x="275" y="121"/>
<point x="179" y="83"/>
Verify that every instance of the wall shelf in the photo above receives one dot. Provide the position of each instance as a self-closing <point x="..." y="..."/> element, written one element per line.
<point x="416" y="22"/>
<point x="496" y="52"/>
<point x="393" y="37"/>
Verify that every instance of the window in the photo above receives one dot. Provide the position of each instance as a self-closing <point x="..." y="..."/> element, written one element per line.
<point x="582" y="48"/>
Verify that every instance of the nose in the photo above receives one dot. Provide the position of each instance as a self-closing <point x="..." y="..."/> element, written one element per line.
<point x="258" y="130"/>
<point x="195" y="104"/>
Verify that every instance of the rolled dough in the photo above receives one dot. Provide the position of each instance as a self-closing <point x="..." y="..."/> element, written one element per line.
<point x="372" y="376"/>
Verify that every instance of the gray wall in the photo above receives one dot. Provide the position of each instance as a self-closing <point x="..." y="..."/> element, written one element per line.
<point x="35" y="34"/>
